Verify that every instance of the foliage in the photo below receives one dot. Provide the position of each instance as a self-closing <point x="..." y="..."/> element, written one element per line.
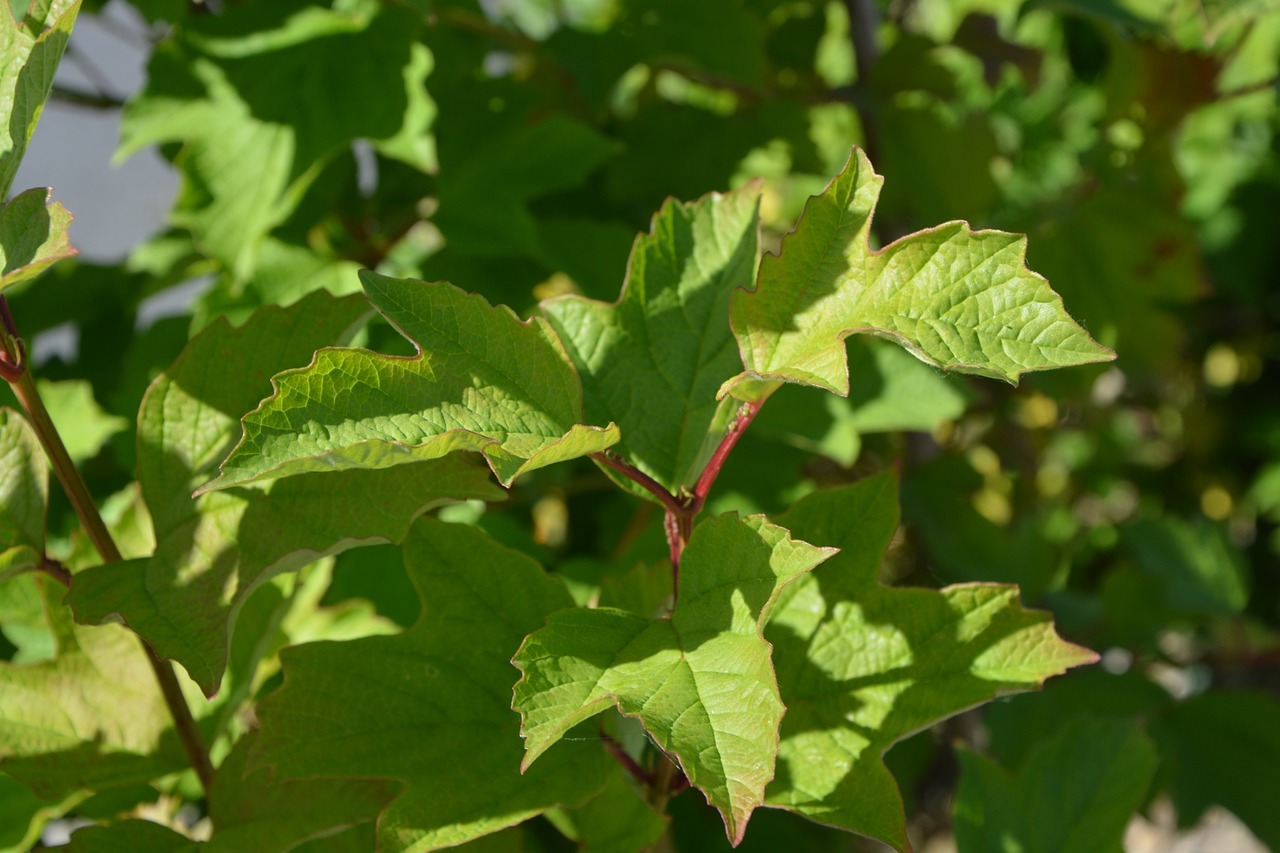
<point x="573" y="415"/>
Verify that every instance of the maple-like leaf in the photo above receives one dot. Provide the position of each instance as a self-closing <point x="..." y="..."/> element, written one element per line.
<point x="701" y="681"/>
<point x="961" y="299"/>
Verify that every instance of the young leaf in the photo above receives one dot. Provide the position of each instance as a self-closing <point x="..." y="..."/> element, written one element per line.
<point x="482" y="381"/>
<point x="653" y="361"/>
<point x="961" y="299"/>
<point x="431" y="707"/>
<point x="33" y="235"/>
<point x="92" y="717"/>
<point x="701" y="682"/>
<point x="861" y="666"/>
<point x="1075" y="794"/>
<point x="29" y="53"/>
<point x="24" y="494"/>
<point x="212" y="553"/>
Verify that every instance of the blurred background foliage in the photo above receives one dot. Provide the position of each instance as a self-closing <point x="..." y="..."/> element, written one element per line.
<point x="515" y="147"/>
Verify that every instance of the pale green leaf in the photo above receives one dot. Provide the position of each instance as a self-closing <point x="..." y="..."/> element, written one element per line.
<point x="33" y="235"/>
<point x="212" y="553"/>
<point x="92" y="717"/>
<point x="24" y="494"/>
<point x="29" y="53"/>
<point x="1075" y="794"/>
<point x="861" y="666"/>
<point x="482" y="381"/>
<point x="961" y="299"/>
<point x="653" y="361"/>
<point x="260" y="97"/>
<point x="446" y="684"/>
<point x="701" y="682"/>
<point x="81" y="422"/>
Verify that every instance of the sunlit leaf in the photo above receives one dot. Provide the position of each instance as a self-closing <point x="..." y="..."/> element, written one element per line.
<point x="954" y="297"/>
<point x="29" y="53"/>
<point x="33" y="235"/>
<point x="212" y="553"/>
<point x="482" y="381"/>
<point x="653" y="361"/>
<point x="701" y="682"/>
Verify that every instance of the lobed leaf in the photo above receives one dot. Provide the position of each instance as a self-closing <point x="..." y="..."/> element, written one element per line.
<point x="861" y="666"/>
<point x="33" y="235"/>
<point x="961" y="299"/>
<point x="482" y="381"/>
<point x="29" y="53"/>
<point x="24" y="495"/>
<point x="701" y="682"/>
<point x="444" y="687"/>
<point x="212" y="553"/>
<point x="652" y="361"/>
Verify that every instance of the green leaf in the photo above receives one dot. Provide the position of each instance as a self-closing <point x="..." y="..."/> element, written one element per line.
<point x="23" y="814"/>
<point x="961" y="299"/>
<point x="1195" y="565"/>
<point x="701" y="682"/>
<point x="861" y="666"/>
<point x="482" y="381"/>
<point x="260" y="97"/>
<point x="253" y="810"/>
<point x="446" y="685"/>
<point x="618" y="820"/>
<point x="92" y="717"/>
<point x="892" y="392"/>
<point x="33" y="235"/>
<point x="24" y="494"/>
<point x="141" y="836"/>
<point x="1075" y="794"/>
<point x="81" y="422"/>
<point x="653" y="361"/>
<point x="211" y="554"/>
<point x="1224" y="747"/>
<point x="29" y="53"/>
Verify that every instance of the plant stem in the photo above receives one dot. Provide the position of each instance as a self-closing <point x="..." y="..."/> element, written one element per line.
<point x="641" y="479"/>
<point x="663" y="783"/>
<point x="681" y="511"/>
<point x="628" y="763"/>
<point x="24" y="388"/>
<point x="712" y="470"/>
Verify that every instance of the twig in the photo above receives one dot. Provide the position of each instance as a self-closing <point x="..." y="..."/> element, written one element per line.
<point x="24" y="388"/>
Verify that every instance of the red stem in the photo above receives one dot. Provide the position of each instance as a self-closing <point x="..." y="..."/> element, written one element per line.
<point x="712" y="470"/>
<point x="641" y="479"/>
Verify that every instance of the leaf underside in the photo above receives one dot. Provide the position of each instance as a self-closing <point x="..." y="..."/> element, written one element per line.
<point x="482" y="381"/>
<point x="33" y="235"/>
<point x="212" y="553"/>
<point x="701" y="681"/>
<point x="957" y="298"/>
